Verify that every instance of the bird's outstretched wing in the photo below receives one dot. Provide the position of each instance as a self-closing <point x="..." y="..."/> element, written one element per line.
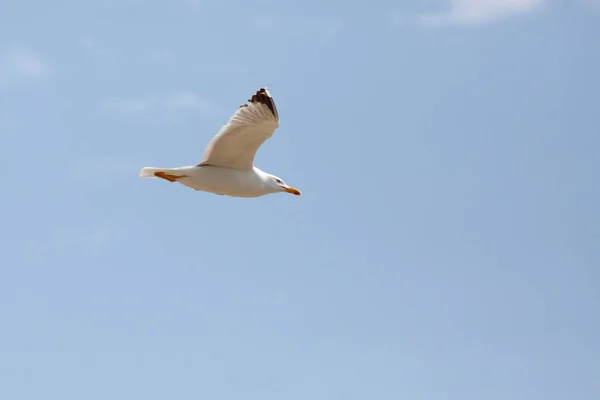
<point x="236" y="144"/>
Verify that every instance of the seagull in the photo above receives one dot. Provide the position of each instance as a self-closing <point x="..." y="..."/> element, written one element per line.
<point x="228" y="164"/>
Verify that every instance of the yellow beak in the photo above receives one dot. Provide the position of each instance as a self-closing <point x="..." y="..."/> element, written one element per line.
<point x="293" y="191"/>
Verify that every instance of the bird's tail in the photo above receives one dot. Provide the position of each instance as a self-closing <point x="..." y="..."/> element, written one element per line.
<point x="149" y="172"/>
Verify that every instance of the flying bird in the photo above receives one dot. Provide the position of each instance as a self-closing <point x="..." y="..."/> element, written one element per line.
<point x="228" y="164"/>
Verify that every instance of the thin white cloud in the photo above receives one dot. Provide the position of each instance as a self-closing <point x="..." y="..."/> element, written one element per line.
<point x="6" y="120"/>
<point x="90" y="236"/>
<point x="23" y="62"/>
<point x="593" y="4"/>
<point x="264" y="23"/>
<point x="479" y="11"/>
<point x="162" y="57"/>
<point x="194" y="5"/>
<point x="122" y="3"/>
<point x="132" y="105"/>
<point x="186" y="100"/>
<point x="178" y="103"/>
<point x="186" y="5"/>
<point x="93" y="47"/>
<point x="332" y="29"/>
<point x="110" y="168"/>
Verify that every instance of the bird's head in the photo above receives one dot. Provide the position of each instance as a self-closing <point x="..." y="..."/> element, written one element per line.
<point x="278" y="185"/>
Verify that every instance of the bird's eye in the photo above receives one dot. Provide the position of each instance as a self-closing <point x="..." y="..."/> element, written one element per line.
<point x="278" y="180"/>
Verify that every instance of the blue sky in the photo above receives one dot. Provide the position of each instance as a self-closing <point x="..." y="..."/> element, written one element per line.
<point x="446" y="245"/>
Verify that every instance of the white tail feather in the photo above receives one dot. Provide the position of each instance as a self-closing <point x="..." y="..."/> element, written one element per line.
<point x="148" y="172"/>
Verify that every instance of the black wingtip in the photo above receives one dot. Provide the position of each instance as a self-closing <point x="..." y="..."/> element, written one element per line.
<point x="263" y="96"/>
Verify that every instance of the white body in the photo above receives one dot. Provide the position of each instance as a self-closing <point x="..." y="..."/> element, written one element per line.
<point x="219" y="180"/>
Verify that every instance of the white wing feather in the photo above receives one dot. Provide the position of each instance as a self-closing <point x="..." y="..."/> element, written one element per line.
<point x="236" y="144"/>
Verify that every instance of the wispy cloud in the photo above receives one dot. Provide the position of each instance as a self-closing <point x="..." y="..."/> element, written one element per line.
<point x="265" y="23"/>
<point x="162" y="57"/>
<point x="122" y="3"/>
<point x="90" y="236"/>
<point x="332" y="29"/>
<point x="108" y="168"/>
<point x="93" y="47"/>
<point x="479" y="11"/>
<point x="184" y="101"/>
<point x="593" y="4"/>
<point x="192" y="4"/>
<point x="23" y="62"/>
<point x="110" y="54"/>
<point x="186" y="5"/>
<point x="6" y="120"/>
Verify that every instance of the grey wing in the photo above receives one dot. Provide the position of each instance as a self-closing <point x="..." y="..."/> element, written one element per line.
<point x="236" y="144"/>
